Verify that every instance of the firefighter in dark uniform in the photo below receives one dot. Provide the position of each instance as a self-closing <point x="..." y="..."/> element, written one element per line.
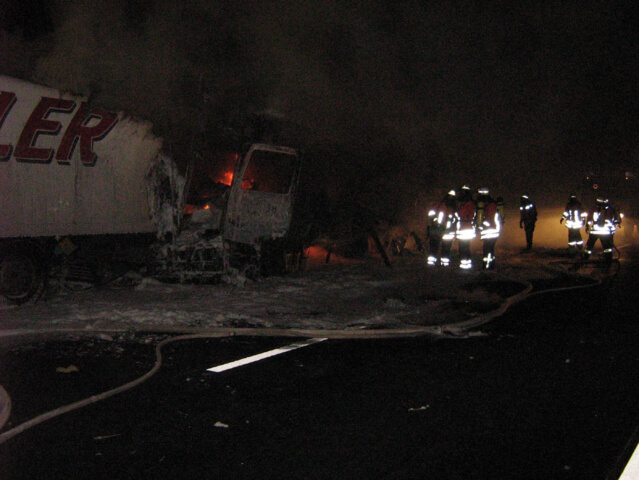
<point x="489" y="223"/>
<point x="466" y="230"/>
<point x="602" y="225"/>
<point x="575" y="217"/>
<point x="442" y="223"/>
<point x="527" y="219"/>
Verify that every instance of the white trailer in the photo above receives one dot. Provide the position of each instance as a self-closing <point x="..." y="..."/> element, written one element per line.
<point x="68" y="171"/>
<point x="72" y="175"/>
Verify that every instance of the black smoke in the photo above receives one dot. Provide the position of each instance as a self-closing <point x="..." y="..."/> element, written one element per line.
<point x="391" y="100"/>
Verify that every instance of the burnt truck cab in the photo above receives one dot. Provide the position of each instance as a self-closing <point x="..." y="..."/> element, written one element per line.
<point x="260" y="203"/>
<point x="240" y="230"/>
<point x="257" y="219"/>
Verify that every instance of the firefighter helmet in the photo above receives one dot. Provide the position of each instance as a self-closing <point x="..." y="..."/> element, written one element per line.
<point x="465" y="194"/>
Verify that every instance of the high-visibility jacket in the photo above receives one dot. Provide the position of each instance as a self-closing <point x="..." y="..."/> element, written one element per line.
<point x="528" y="213"/>
<point x="604" y="220"/>
<point x="490" y="226"/>
<point x="574" y="215"/>
<point x="467" y="211"/>
<point x="443" y="219"/>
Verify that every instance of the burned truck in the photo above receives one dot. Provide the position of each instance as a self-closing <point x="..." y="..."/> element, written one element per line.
<point x="240" y="230"/>
<point x="84" y="190"/>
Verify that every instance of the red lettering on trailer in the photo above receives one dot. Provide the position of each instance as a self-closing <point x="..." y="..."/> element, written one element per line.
<point x="85" y="128"/>
<point x="38" y="124"/>
<point x="7" y="100"/>
<point x="78" y="131"/>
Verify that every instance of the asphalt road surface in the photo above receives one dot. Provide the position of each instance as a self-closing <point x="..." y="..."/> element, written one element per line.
<point x="548" y="391"/>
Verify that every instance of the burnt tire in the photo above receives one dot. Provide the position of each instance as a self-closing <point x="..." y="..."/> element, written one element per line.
<point x="21" y="276"/>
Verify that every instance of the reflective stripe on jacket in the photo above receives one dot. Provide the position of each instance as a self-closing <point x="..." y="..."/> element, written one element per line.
<point x="466" y="225"/>
<point x="574" y="216"/>
<point x="443" y="218"/>
<point x="604" y="221"/>
<point x="491" y="223"/>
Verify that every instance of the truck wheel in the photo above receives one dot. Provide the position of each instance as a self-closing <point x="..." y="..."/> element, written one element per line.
<point x="20" y="277"/>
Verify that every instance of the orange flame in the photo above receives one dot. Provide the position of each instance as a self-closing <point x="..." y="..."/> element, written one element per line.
<point x="226" y="178"/>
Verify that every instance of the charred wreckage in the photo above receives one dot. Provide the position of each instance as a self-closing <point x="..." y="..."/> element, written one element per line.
<point x="85" y="190"/>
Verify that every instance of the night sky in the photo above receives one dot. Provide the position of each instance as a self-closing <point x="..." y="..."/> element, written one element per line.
<point x="422" y="95"/>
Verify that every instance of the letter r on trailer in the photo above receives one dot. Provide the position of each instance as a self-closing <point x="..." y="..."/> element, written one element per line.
<point x="79" y="131"/>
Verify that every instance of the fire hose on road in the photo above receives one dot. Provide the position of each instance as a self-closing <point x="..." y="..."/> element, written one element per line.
<point x="453" y="330"/>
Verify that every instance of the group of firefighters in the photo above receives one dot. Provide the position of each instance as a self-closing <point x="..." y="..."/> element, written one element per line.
<point x="601" y="224"/>
<point x="459" y="216"/>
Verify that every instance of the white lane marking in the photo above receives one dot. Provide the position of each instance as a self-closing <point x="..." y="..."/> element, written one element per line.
<point x="631" y="472"/>
<point x="262" y="356"/>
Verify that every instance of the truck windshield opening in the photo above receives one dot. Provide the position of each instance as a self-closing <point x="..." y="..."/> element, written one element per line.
<point x="271" y="172"/>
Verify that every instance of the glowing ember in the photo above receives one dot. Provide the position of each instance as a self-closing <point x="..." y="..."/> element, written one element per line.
<point x="226" y="178"/>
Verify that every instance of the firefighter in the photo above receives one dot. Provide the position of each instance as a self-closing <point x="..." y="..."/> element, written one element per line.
<point x="489" y="223"/>
<point x="442" y="223"/>
<point x="467" y="212"/>
<point x="500" y="209"/>
<point x="527" y="219"/>
<point x="575" y="217"/>
<point x="602" y="225"/>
